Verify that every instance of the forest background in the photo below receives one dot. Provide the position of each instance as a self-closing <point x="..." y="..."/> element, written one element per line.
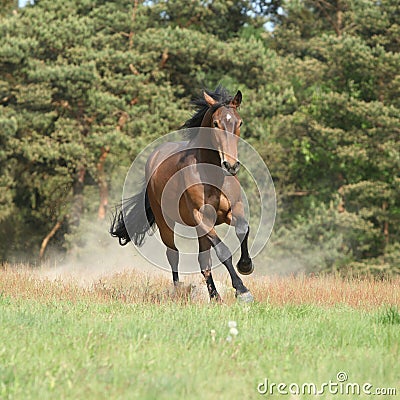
<point x="85" y="85"/>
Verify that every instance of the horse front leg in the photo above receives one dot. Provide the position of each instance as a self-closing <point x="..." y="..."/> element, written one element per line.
<point x="205" y="267"/>
<point x="245" y="264"/>
<point x="224" y="255"/>
<point x="206" y="230"/>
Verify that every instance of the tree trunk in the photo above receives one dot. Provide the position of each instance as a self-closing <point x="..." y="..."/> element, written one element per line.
<point x="339" y="18"/>
<point x="45" y="241"/>
<point x="78" y="201"/>
<point x="385" y="223"/>
<point x="133" y="19"/>
<point x="102" y="182"/>
<point x="342" y="204"/>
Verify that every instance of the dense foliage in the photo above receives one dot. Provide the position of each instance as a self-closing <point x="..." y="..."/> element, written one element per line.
<point x="84" y="85"/>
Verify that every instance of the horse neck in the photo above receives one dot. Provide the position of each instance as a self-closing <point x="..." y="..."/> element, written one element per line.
<point x="203" y="146"/>
<point x="205" y="153"/>
<point x="208" y="156"/>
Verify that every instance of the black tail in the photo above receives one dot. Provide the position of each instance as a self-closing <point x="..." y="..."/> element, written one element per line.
<point x="133" y="219"/>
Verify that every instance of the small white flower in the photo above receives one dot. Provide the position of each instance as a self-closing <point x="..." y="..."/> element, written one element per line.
<point x="232" y="324"/>
<point x="233" y="331"/>
<point x="229" y="338"/>
<point x="213" y="334"/>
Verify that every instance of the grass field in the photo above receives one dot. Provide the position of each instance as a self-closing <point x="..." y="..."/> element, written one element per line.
<point x="129" y="337"/>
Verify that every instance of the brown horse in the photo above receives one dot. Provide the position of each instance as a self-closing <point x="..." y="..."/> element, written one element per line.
<point x="194" y="183"/>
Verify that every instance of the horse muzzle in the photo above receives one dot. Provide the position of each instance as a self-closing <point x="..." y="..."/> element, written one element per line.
<point x="230" y="169"/>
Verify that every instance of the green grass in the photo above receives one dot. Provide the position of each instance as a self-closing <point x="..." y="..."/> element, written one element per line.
<point x="83" y="349"/>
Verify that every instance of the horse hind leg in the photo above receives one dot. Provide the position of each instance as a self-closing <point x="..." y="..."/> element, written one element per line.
<point x="173" y="259"/>
<point x="167" y="236"/>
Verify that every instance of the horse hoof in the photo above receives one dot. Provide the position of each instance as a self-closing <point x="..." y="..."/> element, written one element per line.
<point x="245" y="297"/>
<point x="245" y="268"/>
<point x="216" y="300"/>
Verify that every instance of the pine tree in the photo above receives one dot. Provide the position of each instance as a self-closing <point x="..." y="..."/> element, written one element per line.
<point x="85" y="85"/>
<point x="343" y="134"/>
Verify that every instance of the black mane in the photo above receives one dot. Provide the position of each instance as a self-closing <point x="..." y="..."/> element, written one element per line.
<point x="201" y="106"/>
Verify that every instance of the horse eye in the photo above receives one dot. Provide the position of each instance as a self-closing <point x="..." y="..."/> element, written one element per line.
<point x="241" y="122"/>
<point x="216" y="124"/>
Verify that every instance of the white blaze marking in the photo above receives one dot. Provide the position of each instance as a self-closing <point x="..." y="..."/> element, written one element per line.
<point x="228" y="117"/>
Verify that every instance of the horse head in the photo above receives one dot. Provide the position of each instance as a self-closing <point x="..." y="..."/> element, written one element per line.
<point x="226" y="122"/>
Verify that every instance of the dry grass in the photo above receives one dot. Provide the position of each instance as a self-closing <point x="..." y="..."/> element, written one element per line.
<point x="138" y="287"/>
<point x="134" y="287"/>
<point x="328" y="290"/>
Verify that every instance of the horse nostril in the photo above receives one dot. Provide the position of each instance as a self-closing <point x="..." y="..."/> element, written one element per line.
<point x="231" y="169"/>
<point x="226" y="165"/>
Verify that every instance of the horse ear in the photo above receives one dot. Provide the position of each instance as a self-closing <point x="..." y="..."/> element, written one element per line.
<point x="237" y="100"/>
<point x="210" y="101"/>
